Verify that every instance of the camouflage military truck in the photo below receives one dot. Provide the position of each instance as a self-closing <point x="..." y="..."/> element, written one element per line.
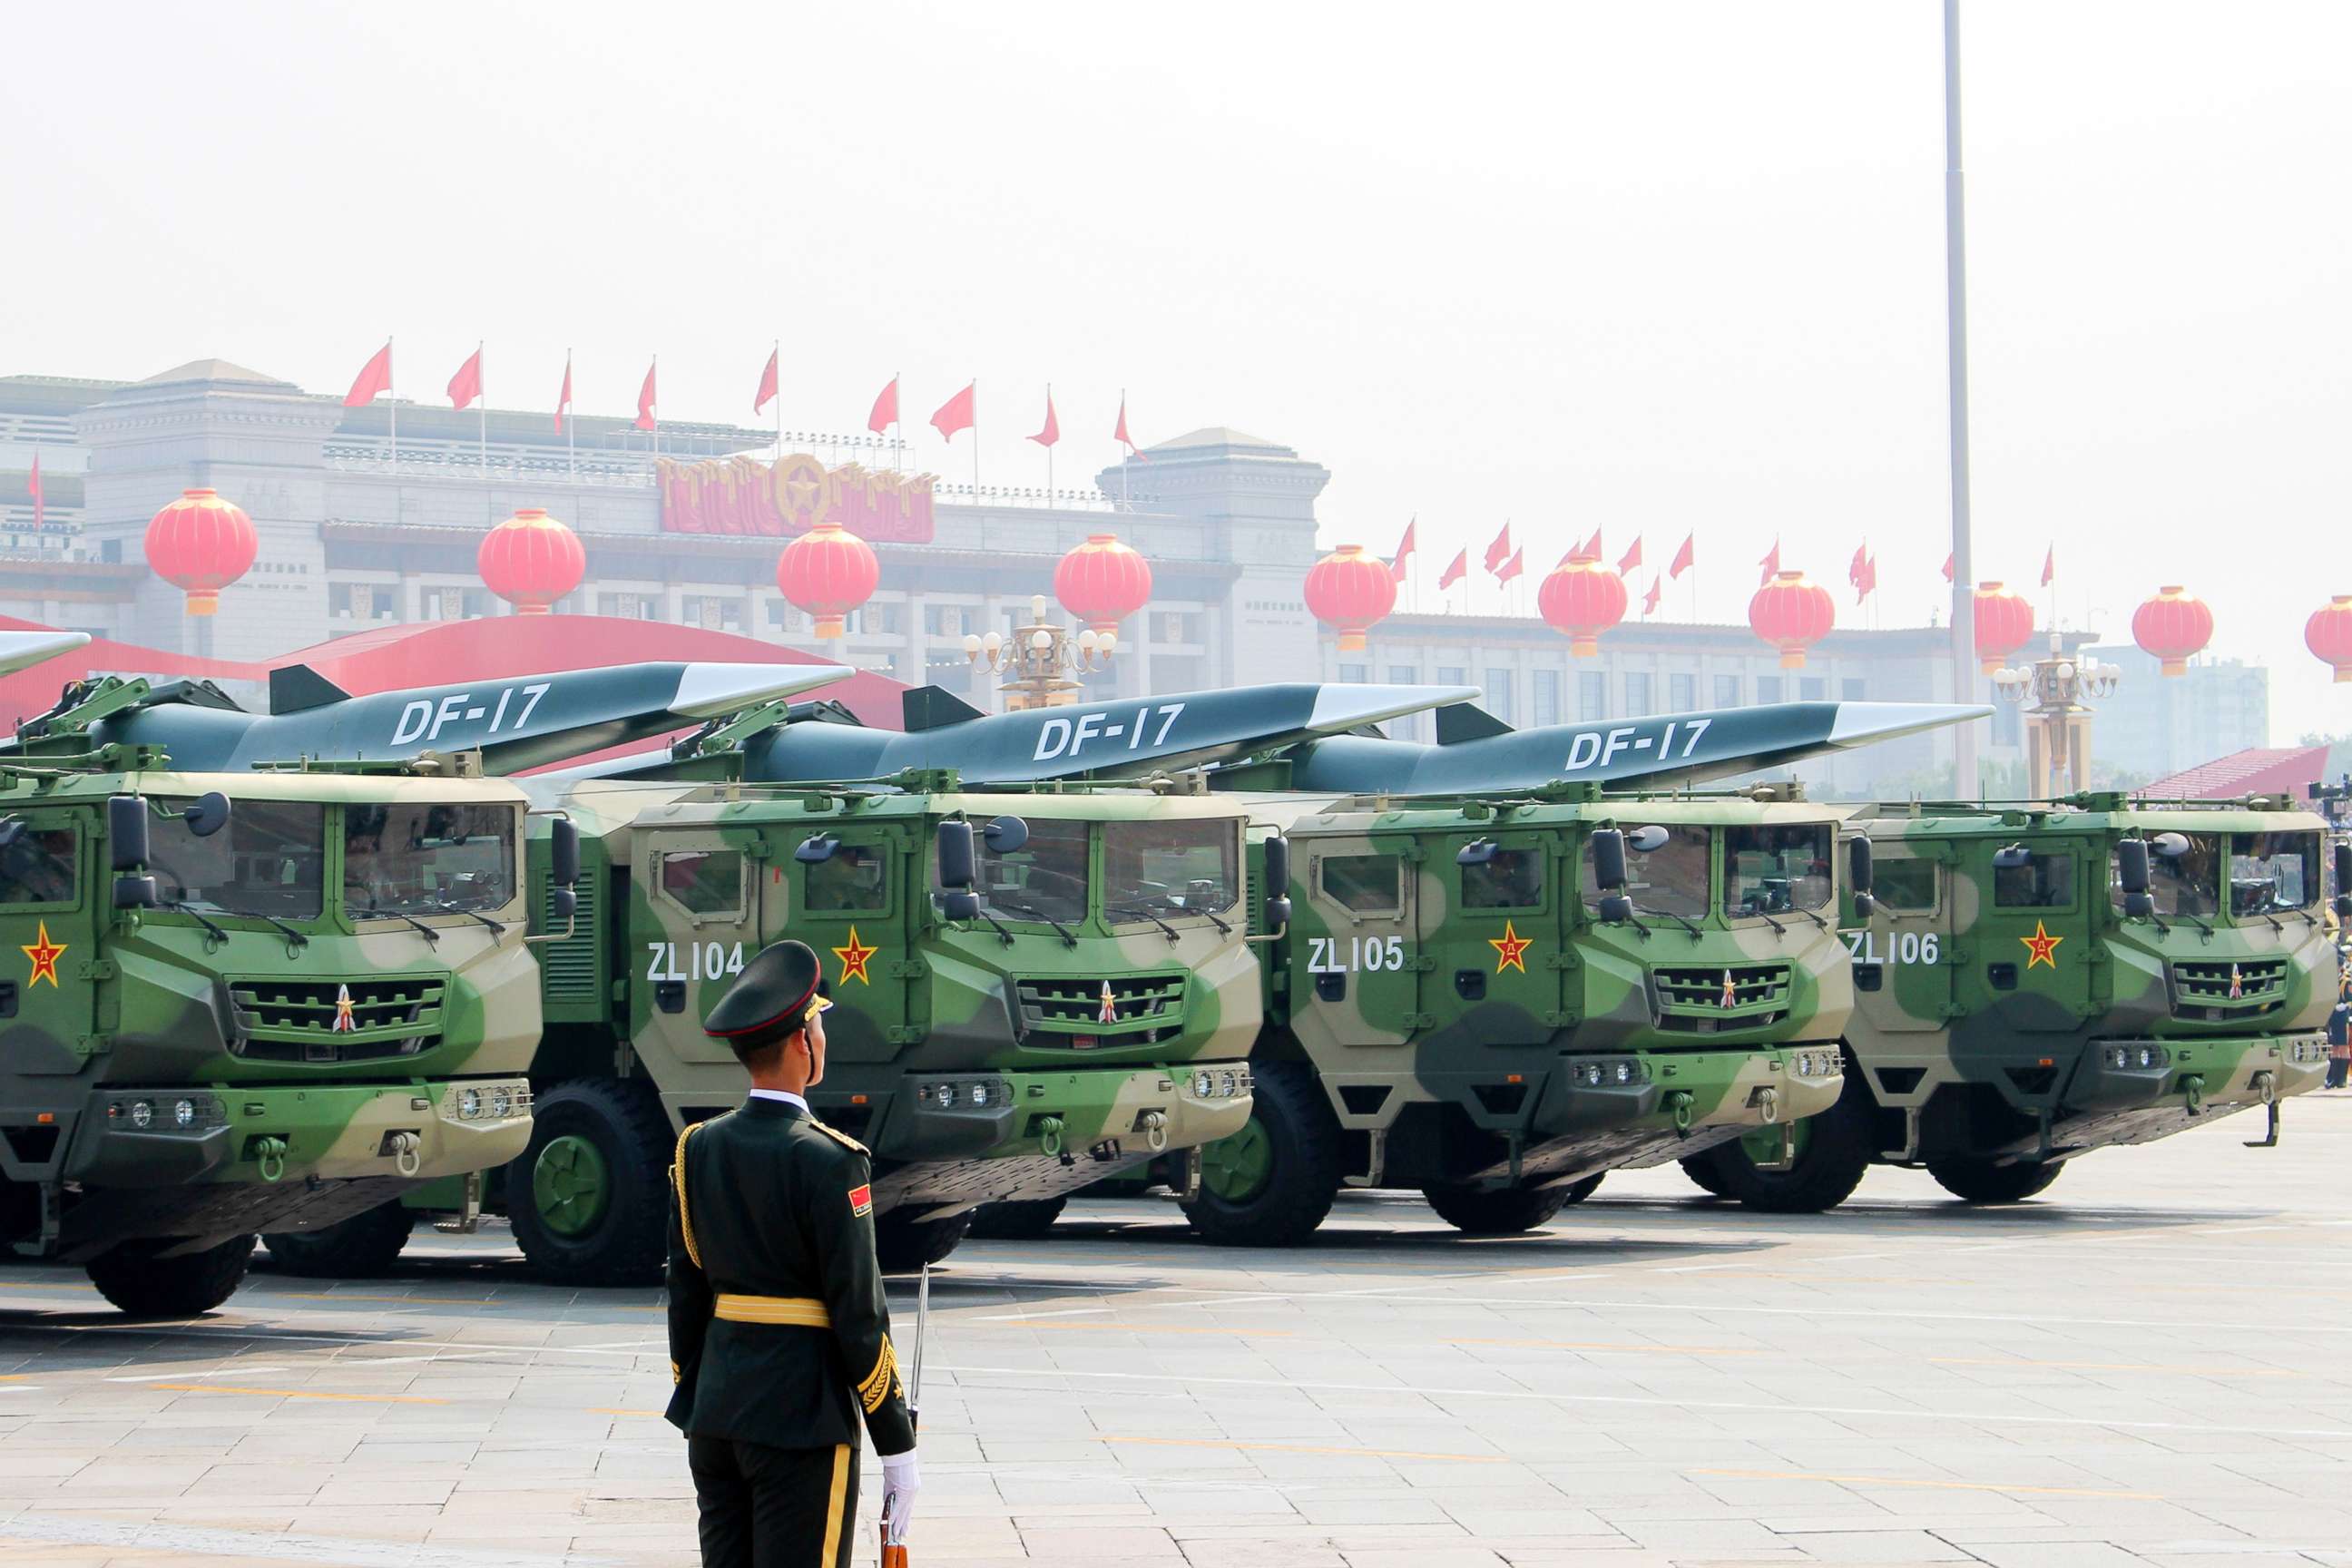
<point x="245" y="1001"/>
<point x="2033" y="982"/>
<point x="1032" y="989"/>
<point x="1495" y="1001"/>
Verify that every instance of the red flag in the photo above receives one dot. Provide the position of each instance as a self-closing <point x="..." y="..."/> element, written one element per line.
<point x="1453" y="573"/>
<point x="955" y="413"/>
<point x="1772" y="562"/>
<point x="1500" y="550"/>
<point x="375" y="378"/>
<point x="645" y="399"/>
<point x="1052" y="430"/>
<point x="1590" y="548"/>
<point x="1514" y="567"/>
<point x="1631" y="559"/>
<point x="885" y="408"/>
<point x="1120" y="434"/>
<point x="563" y="399"/>
<point x="1863" y="572"/>
<point x="1405" y="550"/>
<point x="767" y="392"/>
<point x="1683" y="558"/>
<point x="1650" y="599"/>
<point x="35" y="486"/>
<point x="467" y="384"/>
<point x="1948" y="568"/>
<point x="2050" y="565"/>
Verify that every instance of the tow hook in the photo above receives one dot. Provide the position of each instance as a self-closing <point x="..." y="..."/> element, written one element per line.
<point x="2266" y="1086"/>
<point x="2193" y="1090"/>
<point x="1678" y="1103"/>
<point x="1155" y="1130"/>
<point x="406" y="1150"/>
<point x="1768" y="1100"/>
<point x="1049" y="1139"/>
<point x="271" y="1154"/>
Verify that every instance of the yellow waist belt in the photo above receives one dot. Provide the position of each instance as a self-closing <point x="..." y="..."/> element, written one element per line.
<point x="796" y="1312"/>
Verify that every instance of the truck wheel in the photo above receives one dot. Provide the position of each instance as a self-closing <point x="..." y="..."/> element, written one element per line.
<point x="904" y="1245"/>
<point x="145" y="1286"/>
<point x="1019" y="1219"/>
<point x="1973" y="1179"/>
<point x="360" y="1248"/>
<point x="1504" y="1210"/>
<point x="1700" y="1169"/>
<point x="1271" y="1183"/>
<point x="1833" y="1152"/>
<point x="589" y="1198"/>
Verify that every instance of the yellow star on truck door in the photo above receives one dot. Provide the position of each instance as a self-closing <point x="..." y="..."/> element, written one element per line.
<point x="45" y="954"/>
<point x="1510" y="949"/>
<point x="2040" y="947"/>
<point x="854" y="960"/>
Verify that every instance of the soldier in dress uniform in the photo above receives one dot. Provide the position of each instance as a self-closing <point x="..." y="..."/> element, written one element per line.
<point x="779" y="1336"/>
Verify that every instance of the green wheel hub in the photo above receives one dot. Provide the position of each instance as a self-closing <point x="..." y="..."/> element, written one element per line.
<point x="1763" y="1145"/>
<point x="1238" y="1168"/>
<point x="570" y="1185"/>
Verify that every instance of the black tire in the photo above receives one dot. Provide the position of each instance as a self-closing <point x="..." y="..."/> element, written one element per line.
<point x="1504" y="1210"/>
<point x="904" y="1245"/>
<point x="145" y="1286"/>
<point x="1828" y="1165"/>
<point x="1301" y="1145"/>
<point x="1973" y="1178"/>
<point x="1701" y="1170"/>
<point x="360" y="1248"/>
<point x="1019" y="1219"/>
<point x="620" y="1237"/>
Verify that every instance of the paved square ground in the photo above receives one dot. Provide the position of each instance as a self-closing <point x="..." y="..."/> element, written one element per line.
<point x="2151" y="1363"/>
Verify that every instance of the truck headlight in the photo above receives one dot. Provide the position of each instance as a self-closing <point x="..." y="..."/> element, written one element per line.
<point x="980" y="1094"/>
<point x="1203" y="1084"/>
<point x="469" y="1104"/>
<point x="1624" y="1072"/>
<point x="143" y="1113"/>
<point x="501" y="1102"/>
<point x="184" y="1113"/>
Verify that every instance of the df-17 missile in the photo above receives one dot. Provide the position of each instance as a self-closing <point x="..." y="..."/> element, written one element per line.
<point x="516" y="722"/>
<point x="22" y="650"/>
<point x="1477" y="751"/>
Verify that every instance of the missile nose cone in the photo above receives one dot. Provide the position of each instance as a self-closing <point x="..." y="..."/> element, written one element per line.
<point x="707" y="690"/>
<point x="1860" y="723"/>
<point x="1343" y="707"/>
<point x="22" y="650"/>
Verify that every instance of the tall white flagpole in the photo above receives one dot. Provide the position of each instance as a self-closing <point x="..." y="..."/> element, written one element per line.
<point x="777" y="354"/>
<point x="1955" y="306"/>
<point x="1126" y="460"/>
<point x="1049" y="450"/>
<point x="654" y="370"/>
<point x="482" y="402"/>
<point x="975" y="440"/>
<point x="570" y="435"/>
<point x="391" y="403"/>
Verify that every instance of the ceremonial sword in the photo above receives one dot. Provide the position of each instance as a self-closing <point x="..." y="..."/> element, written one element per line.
<point x="894" y="1551"/>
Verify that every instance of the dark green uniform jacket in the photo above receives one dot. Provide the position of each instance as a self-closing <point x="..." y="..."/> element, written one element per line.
<point x="770" y="1203"/>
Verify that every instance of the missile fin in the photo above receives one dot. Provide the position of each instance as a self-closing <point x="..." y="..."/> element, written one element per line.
<point x="930" y="707"/>
<point x="296" y="688"/>
<point x="1467" y="722"/>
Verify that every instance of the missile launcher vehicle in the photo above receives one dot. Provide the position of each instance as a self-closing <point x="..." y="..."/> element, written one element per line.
<point x="2035" y="982"/>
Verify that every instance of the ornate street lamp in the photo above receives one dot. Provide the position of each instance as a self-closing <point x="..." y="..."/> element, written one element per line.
<point x="1039" y="663"/>
<point x="2058" y="725"/>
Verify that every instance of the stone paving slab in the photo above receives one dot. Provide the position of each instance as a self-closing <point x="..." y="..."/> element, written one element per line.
<point x="2143" y="1366"/>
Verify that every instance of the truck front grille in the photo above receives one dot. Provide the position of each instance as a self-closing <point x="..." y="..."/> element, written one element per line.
<point x="370" y="1018"/>
<point x="1707" y="999"/>
<point x="2217" y="990"/>
<point x="1143" y="1008"/>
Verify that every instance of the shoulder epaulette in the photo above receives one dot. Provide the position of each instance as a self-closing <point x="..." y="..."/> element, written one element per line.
<point x="843" y="1139"/>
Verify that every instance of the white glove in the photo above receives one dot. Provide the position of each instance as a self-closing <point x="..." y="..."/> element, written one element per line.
<point x="902" y="1477"/>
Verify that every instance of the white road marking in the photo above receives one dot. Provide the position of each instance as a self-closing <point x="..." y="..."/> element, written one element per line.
<point x="154" y="1540"/>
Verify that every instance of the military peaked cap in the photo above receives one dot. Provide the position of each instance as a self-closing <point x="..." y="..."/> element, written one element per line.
<point x="767" y="1001"/>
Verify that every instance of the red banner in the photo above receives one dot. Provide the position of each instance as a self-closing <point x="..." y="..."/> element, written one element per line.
<point x="743" y="495"/>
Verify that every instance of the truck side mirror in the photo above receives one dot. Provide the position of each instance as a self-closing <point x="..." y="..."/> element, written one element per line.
<point x="564" y="854"/>
<point x="2131" y="868"/>
<point x="1609" y="863"/>
<point x="953" y="848"/>
<point x="1005" y="835"/>
<point x="1616" y="909"/>
<point x="136" y="890"/>
<point x="1277" y="883"/>
<point x="126" y="832"/>
<point x="562" y="904"/>
<point x="1862" y="874"/>
<point x="2343" y="876"/>
<point x="208" y="815"/>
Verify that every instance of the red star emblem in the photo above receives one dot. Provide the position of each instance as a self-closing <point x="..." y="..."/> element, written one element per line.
<point x="1510" y="949"/>
<point x="2040" y="947"/>
<point x="2237" y="984"/>
<point x="1730" y="991"/>
<point x="344" y="1023"/>
<point x="45" y="954"/>
<point x="854" y="959"/>
<point x="1110" y="1014"/>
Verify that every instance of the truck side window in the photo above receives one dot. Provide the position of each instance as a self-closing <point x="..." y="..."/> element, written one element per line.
<point x="2045" y="882"/>
<point x="1364" y="884"/>
<point x="39" y="868"/>
<point x="1513" y="879"/>
<point x="703" y="881"/>
<point x="854" y="880"/>
<point x="1905" y="885"/>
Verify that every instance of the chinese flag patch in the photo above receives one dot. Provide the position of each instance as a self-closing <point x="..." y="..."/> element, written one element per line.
<point x="861" y="1200"/>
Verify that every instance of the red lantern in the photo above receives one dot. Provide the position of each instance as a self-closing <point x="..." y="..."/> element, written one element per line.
<point x="530" y="560"/>
<point x="2004" y="624"/>
<point x="828" y="572"/>
<point x="1103" y="581"/>
<point x="1792" y="614"/>
<point x="200" y="544"/>
<point x="1351" y="591"/>
<point x="1580" y="600"/>
<point x="2174" y="626"/>
<point x="2329" y="635"/>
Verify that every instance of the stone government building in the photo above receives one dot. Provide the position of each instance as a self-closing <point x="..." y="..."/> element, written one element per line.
<point x="353" y="540"/>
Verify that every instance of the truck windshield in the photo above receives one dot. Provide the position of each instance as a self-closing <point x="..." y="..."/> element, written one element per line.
<point x="2184" y="874"/>
<point x="1044" y="880"/>
<point x="1170" y="868"/>
<point x="1671" y="879"/>
<point x="2272" y="871"/>
<point x="268" y="858"/>
<point x="1767" y="870"/>
<point x="428" y="858"/>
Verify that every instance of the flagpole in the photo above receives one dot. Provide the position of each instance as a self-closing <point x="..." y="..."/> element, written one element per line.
<point x="1955" y="313"/>
<point x="777" y="355"/>
<point x="654" y="371"/>
<point x="482" y="402"/>
<point x="1126" y="500"/>
<point x="1049" y="450"/>
<point x="897" y="425"/>
<point x="391" y="405"/>
<point x="975" y="440"/>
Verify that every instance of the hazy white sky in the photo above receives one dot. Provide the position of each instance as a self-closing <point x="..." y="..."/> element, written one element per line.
<point x="1655" y="266"/>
